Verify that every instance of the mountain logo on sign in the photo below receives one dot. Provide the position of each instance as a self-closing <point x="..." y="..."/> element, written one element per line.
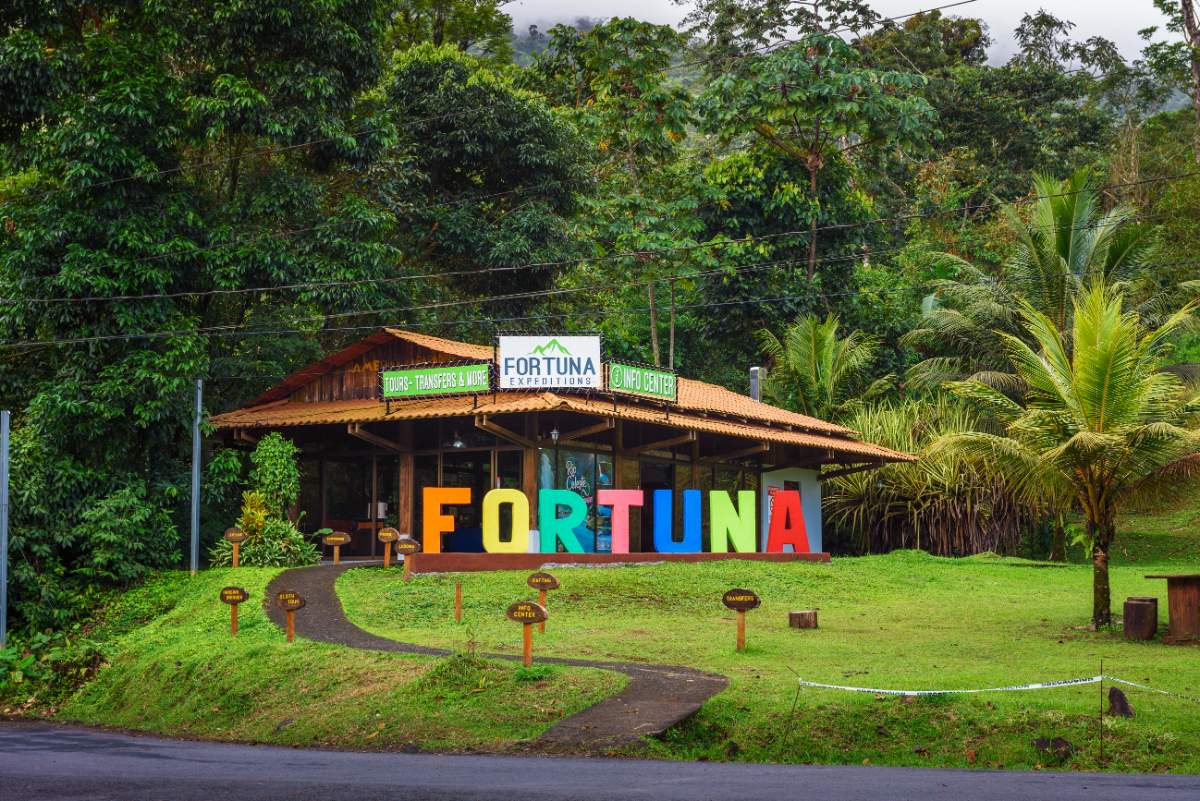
<point x="553" y="346"/>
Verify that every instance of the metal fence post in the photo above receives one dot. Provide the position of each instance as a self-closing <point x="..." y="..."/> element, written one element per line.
<point x="195" y="561"/>
<point x="5" y="419"/>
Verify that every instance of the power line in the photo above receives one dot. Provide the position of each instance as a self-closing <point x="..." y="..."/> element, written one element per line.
<point x="240" y="329"/>
<point x="641" y="253"/>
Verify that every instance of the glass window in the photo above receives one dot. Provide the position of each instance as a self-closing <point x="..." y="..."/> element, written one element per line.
<point x="582" y="472"/>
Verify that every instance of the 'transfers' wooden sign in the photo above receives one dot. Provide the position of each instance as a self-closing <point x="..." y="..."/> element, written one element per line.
<point x="387" y="536"/>
<point x="235" y="537"/>
<point x="337" y="539"/>
<point x="233" y="596"/>
<point x="541" y="582"/>
<point x="527" y="613"/>
<point x="741" y="601"/>
<point x="407" y="545"/>
<point x="289" y="601"/>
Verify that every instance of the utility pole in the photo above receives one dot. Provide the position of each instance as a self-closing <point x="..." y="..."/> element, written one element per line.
<point x="195" y="563"/>
<point x="5" y="419"/>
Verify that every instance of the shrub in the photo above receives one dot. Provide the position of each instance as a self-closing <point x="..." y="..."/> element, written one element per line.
<point x="270" y="541"/>
<point x="276" y="473"/>
<point x="941" y="503"/>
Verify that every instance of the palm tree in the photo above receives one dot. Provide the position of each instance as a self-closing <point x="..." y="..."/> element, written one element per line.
<point x="817" y="373"/>
<point x="1067" y="242"/>
<point x="1099" y="421"/>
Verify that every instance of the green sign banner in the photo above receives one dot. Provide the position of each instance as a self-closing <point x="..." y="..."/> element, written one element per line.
<point x="648" y="382"/>
<point x="418" y="382"/>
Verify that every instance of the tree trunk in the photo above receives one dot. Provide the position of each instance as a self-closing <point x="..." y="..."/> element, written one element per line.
<point x="1191" y="35"/>
<point x="812" y="227"/>
<point x="671" y="332"/>
<point x="1058" y="550"/>
<point x="653" y="326"/>
<point x="1102" y="537"/>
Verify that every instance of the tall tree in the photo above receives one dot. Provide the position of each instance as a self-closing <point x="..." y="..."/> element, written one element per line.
<point x="815" y="102"/>
<point x="612" y="80"/>
<point x="1098" y="419"/>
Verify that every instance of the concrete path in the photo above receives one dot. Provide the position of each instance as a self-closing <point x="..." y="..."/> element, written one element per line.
<point x="48" y="762"/>
<point x="656" y="697"/>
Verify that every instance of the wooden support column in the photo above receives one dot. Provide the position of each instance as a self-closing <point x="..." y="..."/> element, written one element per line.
<point x="404" y="495"/>
<point x="374" y="499"/>
<point x="695" y="471"/>
<point x="529" y="466"/>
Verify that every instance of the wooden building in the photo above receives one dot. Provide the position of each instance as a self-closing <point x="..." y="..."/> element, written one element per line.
<point x="366" y="460"/>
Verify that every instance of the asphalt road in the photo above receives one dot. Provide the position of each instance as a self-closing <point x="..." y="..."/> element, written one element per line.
<point x="40" y="761"/>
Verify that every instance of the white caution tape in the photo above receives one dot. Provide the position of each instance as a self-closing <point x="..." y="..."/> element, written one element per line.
<point x="1041" y="685"/>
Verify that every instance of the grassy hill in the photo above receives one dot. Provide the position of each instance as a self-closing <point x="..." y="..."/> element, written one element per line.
<point x="173" y="668"/>
<point x="902" y="621"/>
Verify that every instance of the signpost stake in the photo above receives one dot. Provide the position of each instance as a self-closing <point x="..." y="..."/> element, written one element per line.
<point x="195" y="562"/>
<point x="741" y="601"/>
<point x="5" y="421"/>
<point x="337" y="554"/>
<point x="526" y="613"/>
<point x="541" y="582"/>
<point x="407" y="568"/>
<point x="236" y="547"/>
<point x="387" y="554"/>
<point x="458" y="602"/>
<point x="289" y="601"/>
<point x="233" y="596"/>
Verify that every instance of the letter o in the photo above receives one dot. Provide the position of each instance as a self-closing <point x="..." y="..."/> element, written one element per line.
<point x="491" y="521"/>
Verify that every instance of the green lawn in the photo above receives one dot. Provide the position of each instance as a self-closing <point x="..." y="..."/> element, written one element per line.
<point x="173" y="668"/>
<point x="905" y="620"/>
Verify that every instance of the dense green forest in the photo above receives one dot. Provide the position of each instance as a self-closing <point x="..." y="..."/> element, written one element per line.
<point x="891" y="224"/>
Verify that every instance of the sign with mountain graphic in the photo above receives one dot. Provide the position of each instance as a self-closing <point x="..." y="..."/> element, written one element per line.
<point x="549" y="362"/>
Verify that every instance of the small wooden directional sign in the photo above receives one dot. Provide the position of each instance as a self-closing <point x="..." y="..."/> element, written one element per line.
<point x="741" y="601"/>
<point x="406" y="545"/>
<point x="289" y="601"/>
<point x="387" y="536"/>
<point x="337" y="539"/>
<point x="233" y="596"/>
<point x="235" y="537"/>
<point x="541" y="582"/>
<point x="527" y="613"/>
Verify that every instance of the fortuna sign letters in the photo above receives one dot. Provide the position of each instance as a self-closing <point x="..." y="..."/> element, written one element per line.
<point x="549" y="362"/>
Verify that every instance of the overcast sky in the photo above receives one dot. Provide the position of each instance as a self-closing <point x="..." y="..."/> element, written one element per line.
<point x="1118" y="20"/>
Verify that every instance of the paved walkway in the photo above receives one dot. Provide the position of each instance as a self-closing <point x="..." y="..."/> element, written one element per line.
<point x="655" y="698"/>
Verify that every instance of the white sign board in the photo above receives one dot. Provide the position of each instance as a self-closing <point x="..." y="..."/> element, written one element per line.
<point x="549" y="362"/>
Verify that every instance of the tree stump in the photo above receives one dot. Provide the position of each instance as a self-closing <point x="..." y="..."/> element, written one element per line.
<point x="803" y="620"/>
<point x="1141" y="618"/>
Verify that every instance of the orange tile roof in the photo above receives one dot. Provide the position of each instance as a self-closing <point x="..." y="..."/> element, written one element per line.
<point x="283" y="414"/>
<point x="463" y="350"/>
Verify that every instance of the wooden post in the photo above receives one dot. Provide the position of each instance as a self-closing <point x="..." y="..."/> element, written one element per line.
<point x="233" y="596"/>
<point x="458" y="602"/>
<point x="528" y="644"/>
<point x="291" y="625"/>
<point x="741" y="601"/>
<point x="387" y="554"/>
<point x="542" y="601"/>
<point x="233" y="619"/>
<point x="289" y="601"/>
<point x="236" y="547"/>
<point x="404" y="512"/>
<point x="407" y="567"/>
<point x="529" y="466"/>
<point x="337" y="554"/>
